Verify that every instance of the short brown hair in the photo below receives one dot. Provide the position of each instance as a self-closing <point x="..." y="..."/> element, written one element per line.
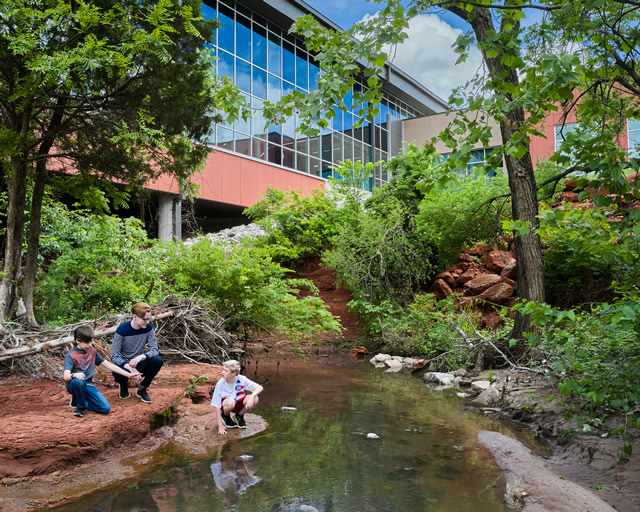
<point x="140" y="309"/>
<point x="83" y="333"/>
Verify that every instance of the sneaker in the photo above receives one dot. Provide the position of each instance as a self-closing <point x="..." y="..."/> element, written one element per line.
<point x="240" y="421"/>
<point x="143" y="395"/>
<point x="79" y="412"/>
<point x="124" y="390"/>
<point x="72" y="402"/>
<point x="228" y="422"/>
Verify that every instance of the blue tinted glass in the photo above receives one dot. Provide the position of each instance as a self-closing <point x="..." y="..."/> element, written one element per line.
<point x="274" y="55"/>
<point x="259" y="83"/>
<point x="243" y="37"/>
<point x="225" y="64"/>
<point x="288" y="62"/>
<point x="208" y="12"/>
<point x="348" y="102"/>
<point x="225" y="32"/>
<point x="348" y="121"/>
<point x="243" y="75"/>
<point x="337" y="120"/>
<point x="287" y="88"/>
<point x="275" y="86"/>
<point x="259" y="46"/>
<point x="302" y="70"/>
<point x="383" y="114"/>
<point x="314" y="74"/>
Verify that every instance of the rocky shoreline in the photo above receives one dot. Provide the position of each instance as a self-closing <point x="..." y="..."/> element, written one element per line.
<point x="603" y="480"/>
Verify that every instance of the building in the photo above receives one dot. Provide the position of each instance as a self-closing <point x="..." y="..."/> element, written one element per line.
<point x="254" y="48"/>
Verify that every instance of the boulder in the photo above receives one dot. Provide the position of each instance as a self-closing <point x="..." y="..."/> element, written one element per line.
<point x="510" y="270"/>
<point x="441" y="289"/>
<point x="467" y="276"/>
<point x="379" y="358"/>
<point x="447" y="278"/>
<point x="497" y="294"/>
<point x="496" y="260"/>
<point x="439" y="380"/>
<point x="480" y="385"/>
<point x="481" y="283"/>
<point x="489" y="397"/>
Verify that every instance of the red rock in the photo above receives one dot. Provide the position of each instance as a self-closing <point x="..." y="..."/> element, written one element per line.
<point x="467" y="276"/>
<point x="510" y="270"/>
<point x="497" y="294"/>
<point x="510" y="282"/>
<point x="447" y="278"/>
<point x="468" y="258"/>
<point x="496" y="260"/>
<point x="441" y="289"/>
<point x="481" y="283"/>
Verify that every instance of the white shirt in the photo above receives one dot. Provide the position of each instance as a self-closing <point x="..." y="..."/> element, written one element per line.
<point x="236" y="390"/>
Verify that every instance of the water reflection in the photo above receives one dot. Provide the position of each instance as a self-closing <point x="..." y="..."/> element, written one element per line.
<point x="234" y="477"/>
<point x="426" y="456"/>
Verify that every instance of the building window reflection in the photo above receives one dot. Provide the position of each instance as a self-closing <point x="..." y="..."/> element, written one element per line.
<point x="267" y="63"/>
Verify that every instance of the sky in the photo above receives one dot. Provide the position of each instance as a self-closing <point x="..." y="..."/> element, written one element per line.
<point x="427" y="55"/>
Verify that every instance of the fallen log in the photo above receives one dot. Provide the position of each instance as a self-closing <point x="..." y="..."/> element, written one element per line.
<point x="59" y="343"/>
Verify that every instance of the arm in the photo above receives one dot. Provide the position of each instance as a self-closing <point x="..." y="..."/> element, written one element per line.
<point x="116" y="351"/>
<point x="68" y="376"/>
<point x="152" y="341"/>
<point x="221" y="428"/>
<point x="132" y="374"/>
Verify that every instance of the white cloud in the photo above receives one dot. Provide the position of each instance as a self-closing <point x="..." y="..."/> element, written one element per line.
<point x="427" y="55"/>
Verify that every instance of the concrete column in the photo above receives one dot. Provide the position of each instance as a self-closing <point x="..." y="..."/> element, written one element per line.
<point x="165" y="217"/>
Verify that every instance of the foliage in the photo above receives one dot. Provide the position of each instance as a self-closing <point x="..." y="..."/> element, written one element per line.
<point x="583" y="241"/>
<point x="596" y="355"/>
<point x="423" y="328"/>
<point x="297" y="226"/>
<point x="191" y="391"/>
<point x="248" y="289"/>
<point x="466" y="211"/>
<point x="98" y="265"/>
<point x="381" y="257"/>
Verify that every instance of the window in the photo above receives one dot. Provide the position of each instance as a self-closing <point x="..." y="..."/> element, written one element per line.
<point x="561" y="132"/>
<point x="633" y="132"/>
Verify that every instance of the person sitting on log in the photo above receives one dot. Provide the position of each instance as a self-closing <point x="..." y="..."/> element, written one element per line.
<point x="127" y="351"/>
<point x="79" y="367"/>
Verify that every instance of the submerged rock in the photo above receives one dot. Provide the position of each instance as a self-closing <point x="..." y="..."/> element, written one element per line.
<point x="438" y="380"/>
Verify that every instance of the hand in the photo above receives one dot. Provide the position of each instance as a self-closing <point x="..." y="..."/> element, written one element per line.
<point x="134" y="362"/>
<point x="137" y="376"/>
<point x="222" y="429"/>
<point x="78" y="375"/>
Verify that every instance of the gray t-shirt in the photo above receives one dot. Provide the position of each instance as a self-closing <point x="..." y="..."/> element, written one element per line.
<point x="84" y="361"/>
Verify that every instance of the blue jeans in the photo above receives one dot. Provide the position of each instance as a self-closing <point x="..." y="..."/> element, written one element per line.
<point x="87" y="396"/>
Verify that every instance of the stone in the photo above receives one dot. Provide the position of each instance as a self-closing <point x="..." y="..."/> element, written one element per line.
<point x="393" y="364"/>
<point x="288" y="409"/>
<point x="447" y="278"/>
<point x="441" y="289"/>
<point x="510" y="271"/>
<point x="481" y="283"/>
<point x="467" y="276"/>
<point x="371" y="435"/>
<point x="379" y="358"/>
<point x="244" y="458"/>
<point x="496" y="260"/>
<point x="409" y="362"/>
<point x="480" y="385"/>
<point x="489" y="397"/>
<point x="460" y="372"/>
<point x="462" y="394"/>
<point x="438" y="379"/>
<point x="497" y="294"/>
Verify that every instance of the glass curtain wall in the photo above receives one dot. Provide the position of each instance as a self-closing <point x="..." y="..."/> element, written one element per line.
<point x="265" y="63"/>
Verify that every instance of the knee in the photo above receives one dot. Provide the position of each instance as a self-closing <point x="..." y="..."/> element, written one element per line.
<point x="156" y="361"/>
<point x="228" y="404"/>
<point x="105" y="410"/>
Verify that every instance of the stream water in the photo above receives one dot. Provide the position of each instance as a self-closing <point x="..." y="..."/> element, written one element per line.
<point x="322" y="457"/>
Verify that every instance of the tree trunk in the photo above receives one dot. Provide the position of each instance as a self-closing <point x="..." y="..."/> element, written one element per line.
<point x="33" y="241"/>
<point x="522" y="183"/>
<point x="13" y="240"/>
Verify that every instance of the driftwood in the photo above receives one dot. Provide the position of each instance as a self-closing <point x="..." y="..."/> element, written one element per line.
<point x="186" y="329"/>
<point x="61" y="343"/>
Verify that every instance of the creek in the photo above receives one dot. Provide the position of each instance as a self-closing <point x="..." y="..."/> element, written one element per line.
<point x="359" y="440"/>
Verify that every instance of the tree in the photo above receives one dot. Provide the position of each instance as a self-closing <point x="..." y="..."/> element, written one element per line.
<point x="105" y="91"/>
<point x="519" y="106"/>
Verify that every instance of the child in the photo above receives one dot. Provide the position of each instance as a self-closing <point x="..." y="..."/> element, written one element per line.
<point x="229" y="397"/>
<point x="79" y="366"/>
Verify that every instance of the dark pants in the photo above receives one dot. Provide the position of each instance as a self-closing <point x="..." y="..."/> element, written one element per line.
<point x="147" y="367"/>
<point x="87" y="396"/>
